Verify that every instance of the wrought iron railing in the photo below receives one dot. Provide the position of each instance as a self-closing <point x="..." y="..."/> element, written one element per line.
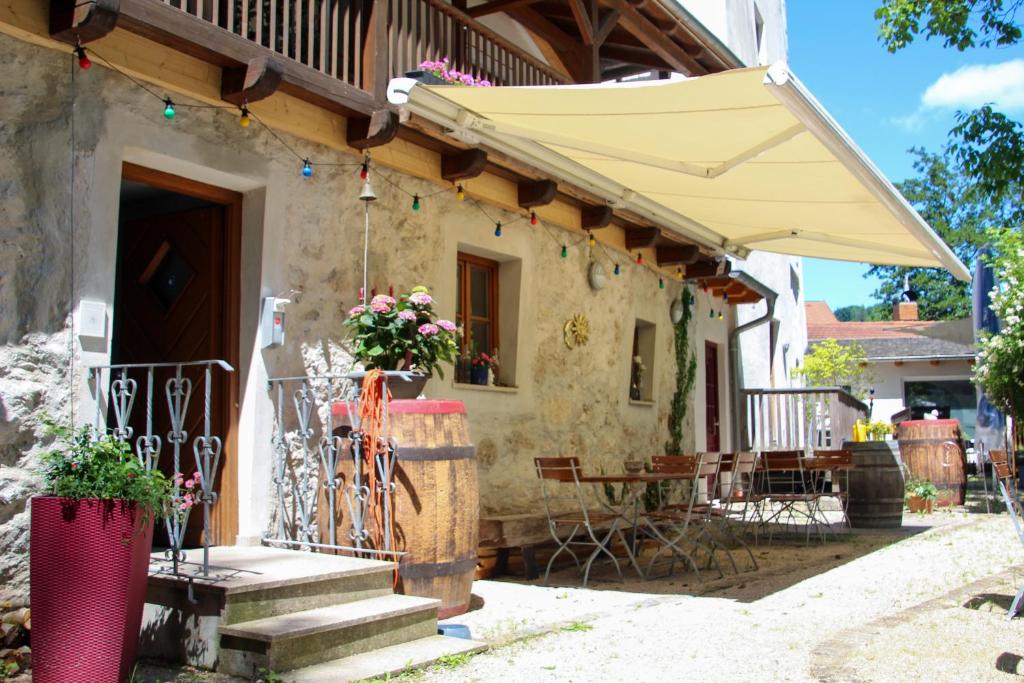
<point x="319" y="465"/>
<point x="332" y="36"/>
<point x="115" y="390"/>
<point x="799" y="419"/>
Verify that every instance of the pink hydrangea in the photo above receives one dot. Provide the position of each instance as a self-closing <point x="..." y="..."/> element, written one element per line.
<point x="446" y="325"/>
<point x="484" y="83"/>
<point x="428" y="329"/>
<point x="190" y="484"/>
<point x="421" y="298"/>
<point x="356" y="310"/>
<point x="383" y="299"/>
<point x="379" y="307"/>
<point x="407" y="316"/>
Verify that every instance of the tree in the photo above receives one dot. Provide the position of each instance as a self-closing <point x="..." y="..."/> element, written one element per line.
<point x="988" y="145"/>
<point x="1000" y="363"/>
<point x="858" y="313"/>
<point x="960" y="211"/>
<point x="831" y="364"/>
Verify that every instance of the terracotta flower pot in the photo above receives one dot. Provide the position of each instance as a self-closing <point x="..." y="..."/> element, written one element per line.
<point x="918" y="504"/>
<point x="89" y="563"/>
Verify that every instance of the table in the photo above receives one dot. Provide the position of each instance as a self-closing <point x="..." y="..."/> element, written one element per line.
<point x="801" y="489"/>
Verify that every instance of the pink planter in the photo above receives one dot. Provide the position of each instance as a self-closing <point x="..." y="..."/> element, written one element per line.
<point x="89" y="562"/>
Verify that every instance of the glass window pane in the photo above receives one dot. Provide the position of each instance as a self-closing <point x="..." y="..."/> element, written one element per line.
<point x="459" y="275"/>
<point x="481" y="337"/>
<point x="479" y="291"/>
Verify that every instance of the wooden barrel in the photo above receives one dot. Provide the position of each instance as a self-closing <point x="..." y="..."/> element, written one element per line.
<point x="933" y="450"/>
<point x="876" y="486"/>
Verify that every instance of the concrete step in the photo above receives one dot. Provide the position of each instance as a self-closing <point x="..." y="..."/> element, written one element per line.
<point x="380" y="663"/>
<point x="291" y="641"/>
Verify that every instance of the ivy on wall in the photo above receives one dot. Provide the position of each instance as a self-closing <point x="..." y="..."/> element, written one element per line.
<point x="686" y="374"/>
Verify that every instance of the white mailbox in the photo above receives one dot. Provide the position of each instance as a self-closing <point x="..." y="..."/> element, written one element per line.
<point x="272" y="322"/>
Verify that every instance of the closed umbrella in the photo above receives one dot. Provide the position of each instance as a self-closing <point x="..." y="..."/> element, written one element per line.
<point x="991" y="425"/>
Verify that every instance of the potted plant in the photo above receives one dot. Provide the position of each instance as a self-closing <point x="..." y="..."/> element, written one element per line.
<point x="402" y="334"/>
<point x="480" y="369"/>
<point x="879" y="430"/>
<point x="441" y="72"/>
<point x="89" y="557"/>
<point x="920" y="495"/>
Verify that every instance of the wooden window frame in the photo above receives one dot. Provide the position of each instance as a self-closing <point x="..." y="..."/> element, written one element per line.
<point x="465" y="319"/>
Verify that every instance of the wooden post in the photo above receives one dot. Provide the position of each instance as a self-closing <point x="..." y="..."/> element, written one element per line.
<point x="375" y="50"/>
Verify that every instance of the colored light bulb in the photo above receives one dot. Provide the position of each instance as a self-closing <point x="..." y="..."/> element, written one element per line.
<point x="591" y="240"/>
<point x="497" y="229"/>
<point x="661" y="283"/>
<point x="83" y="59"/>
<point x="639" y="258"/>
<point x="244" y="120"/>
<point x="415" y="202"/>
<point x="533" y="218"/>
<point x="565" y="251"/>
<point x="616" y="269"/>
<point x="364" y="171"/>
<point x="460" y="194"/>
<point x="307" y="168"/>
<point x="725" y="296"/>
<point x="168" y="109"/>
<point x="719" y="315"/>
<point x="679" y="273"/>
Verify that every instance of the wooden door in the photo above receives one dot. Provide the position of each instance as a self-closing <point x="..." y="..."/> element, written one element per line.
<point x="176" y="301"/>
<point x="714" y="442"/>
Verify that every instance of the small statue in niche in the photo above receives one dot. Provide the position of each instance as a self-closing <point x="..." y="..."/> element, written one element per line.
<point x="636" y="380"/>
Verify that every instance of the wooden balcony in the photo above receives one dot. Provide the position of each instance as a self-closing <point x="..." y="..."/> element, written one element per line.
<point x="794" y="419"/>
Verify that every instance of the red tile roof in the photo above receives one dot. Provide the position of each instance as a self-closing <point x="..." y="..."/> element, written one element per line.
<point x="822" y="324"/>
<point x="818" y="313"/>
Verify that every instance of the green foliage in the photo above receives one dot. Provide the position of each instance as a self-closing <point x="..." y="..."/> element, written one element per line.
<point x="858" y="313"/>
<point x="1000" y="364"/>
<point x="391" y="334"/>
<point x="960" y="212"/>
<point x="104" y="468"/>
<point x="831" y="364"/>
<point x="686" y="373"/>
<point x="879" y="429"/>
<point x="988" y="144"/>
<point x="920" y="488"/>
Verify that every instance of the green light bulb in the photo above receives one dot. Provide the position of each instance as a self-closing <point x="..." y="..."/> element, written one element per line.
<point x="565" y="251"/>
<point x="168" y="109"/>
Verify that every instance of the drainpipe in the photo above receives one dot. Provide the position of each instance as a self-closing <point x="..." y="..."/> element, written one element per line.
<point x="734" y="350"/>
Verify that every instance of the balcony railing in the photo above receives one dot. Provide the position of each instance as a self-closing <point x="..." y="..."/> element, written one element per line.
<point x="336" y="37"/>
<point x="797" y="419"/>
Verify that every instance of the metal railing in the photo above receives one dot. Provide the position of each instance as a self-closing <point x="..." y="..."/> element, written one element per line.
<point x="331" y="36"/>
<point x="311" y="447"/>
<point x="116" y="387"/>
<point x="799" y="419"/>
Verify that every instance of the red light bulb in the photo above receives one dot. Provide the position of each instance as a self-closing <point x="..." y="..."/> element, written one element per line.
<point x="364" y="172"/>
<point x="533" y="218"/>
<point x="83" y="59"/>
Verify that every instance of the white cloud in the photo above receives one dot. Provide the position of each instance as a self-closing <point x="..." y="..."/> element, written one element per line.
<point x="972" y="86"/>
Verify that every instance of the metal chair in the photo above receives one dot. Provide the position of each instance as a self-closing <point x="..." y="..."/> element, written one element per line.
<point x="787" y="483"/>
<point x="1001" y="470"/>
<point x="566" y="507"/>
<point x="837" y="464"/>
<point x="740" y="467"/>
<point x="673" y="523"/>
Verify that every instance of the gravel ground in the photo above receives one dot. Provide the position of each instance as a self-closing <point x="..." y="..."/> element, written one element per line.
<point x="784" y="624"/>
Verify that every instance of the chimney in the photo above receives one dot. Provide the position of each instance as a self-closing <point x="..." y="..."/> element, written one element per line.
<point x="904" y="310"/>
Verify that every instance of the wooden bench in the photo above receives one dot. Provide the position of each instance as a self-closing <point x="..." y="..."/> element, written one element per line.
<point x="525" y="531"/>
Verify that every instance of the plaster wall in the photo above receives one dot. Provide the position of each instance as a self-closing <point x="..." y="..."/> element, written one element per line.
<point x="304" y="238"/>
<point x="734" y="22"/>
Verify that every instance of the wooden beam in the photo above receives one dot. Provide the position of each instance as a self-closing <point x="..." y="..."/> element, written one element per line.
<point x="528" y="17"/>
<point x="579" y="13"/>
<point x="595" y="217"/>
<point x="76" y="22"/>
<point x="496" y="6"/>
<point x="607" y="24"/>
<point x="379" y="128"/>
<point x="644" y="30"/>
<point x="708" y="268"/>
<point x="639" y="238"/>
<point x="375" y="50"/>
<point x="536" y="193"/>
<point x="201" y="39"/>
<point x="259" y="79"/>
<point x="677" y="255"/>
<point x="462" y="165"/>
<point x="630" y="54"/>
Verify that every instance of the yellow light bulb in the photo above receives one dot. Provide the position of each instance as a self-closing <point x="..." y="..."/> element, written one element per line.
<point x="460" y="194"/>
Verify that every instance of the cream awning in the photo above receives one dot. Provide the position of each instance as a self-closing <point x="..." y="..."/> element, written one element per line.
<point x="736" y="161"/>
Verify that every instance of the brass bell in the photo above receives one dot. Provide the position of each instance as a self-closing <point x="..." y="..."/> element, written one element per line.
<point x="367" y="195"/>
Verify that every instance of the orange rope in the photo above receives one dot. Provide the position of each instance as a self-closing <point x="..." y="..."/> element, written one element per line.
<point x="372" y="416"/>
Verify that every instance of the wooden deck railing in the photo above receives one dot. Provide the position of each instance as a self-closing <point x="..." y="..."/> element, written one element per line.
<point x="332" y="36"/>
<point x="793" y="419"/>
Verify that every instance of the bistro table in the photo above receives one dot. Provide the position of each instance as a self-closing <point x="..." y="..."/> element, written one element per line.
<point x="638" y="522"/>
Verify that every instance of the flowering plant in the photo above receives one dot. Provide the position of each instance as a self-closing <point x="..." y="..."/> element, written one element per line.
<point x="86" y="466"/>
<point x="402" y="333"/>
<point x="442" y="69"/>
<point x="1000" y="362"/>
<point x="483" y="360"/>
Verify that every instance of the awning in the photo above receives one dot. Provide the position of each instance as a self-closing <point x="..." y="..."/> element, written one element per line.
<point x="735" y="161"/>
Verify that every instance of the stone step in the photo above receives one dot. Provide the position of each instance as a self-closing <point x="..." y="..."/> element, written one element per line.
<point x="392" y="660"/>
<point x="291" y="641"/>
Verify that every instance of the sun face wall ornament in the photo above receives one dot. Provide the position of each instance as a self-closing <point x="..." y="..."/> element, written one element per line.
<point x="576" y="331"/>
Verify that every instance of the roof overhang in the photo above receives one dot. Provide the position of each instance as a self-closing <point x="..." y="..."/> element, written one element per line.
<point x="741" y="160"/>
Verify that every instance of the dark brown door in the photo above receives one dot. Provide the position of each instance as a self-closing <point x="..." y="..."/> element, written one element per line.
<point x="171" y="308"/>
<point x="714" y="443"/>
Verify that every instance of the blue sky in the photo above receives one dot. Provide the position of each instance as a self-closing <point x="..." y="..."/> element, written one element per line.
<point x="888" y="103"/>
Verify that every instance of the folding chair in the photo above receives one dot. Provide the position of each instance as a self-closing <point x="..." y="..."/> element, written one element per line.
<point x="555" y="476"/>
<point x="1001" y="469"/>
<point x="671" y="524"/>
<point x="788" y="484"/>
<point x="837" y="464"/>
<point x="740" y="467"/>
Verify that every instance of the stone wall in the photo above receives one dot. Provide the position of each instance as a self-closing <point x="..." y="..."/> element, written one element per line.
<point x="303" y="235"/>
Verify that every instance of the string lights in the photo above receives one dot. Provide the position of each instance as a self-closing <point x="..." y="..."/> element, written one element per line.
<point x="83" y="59"/>
<point x="307" y="169"/>
<point x="497" y="229"/>
<point x="244" y="120"/>
<point x="661" y="283"/>
<point x="565" y="251"/>
<point x="639" y="258"/>
<point x="533" y="218"/>
<point x="169" y="109"/>
<point x="616" y="269"/>
<point x="415" y="202"/>
<point x="591" y="240"/>
<point x="460" y="194"/>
